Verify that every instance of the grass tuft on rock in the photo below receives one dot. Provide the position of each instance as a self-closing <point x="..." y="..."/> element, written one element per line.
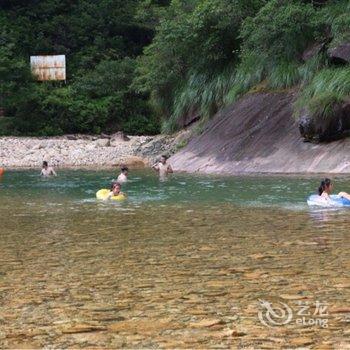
<point x="327" y="90"/>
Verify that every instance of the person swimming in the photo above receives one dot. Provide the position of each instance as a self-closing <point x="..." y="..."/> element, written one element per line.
<point x="115" y="190"/>
<point x="326" y="188"/>
<point x="162" y="167"/>
<point x="123" y="176"/>
<point x="47" y="170"/>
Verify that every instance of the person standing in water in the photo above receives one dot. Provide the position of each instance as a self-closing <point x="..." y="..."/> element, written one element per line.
<point x="123" y="176"/>
<point x="47" y="170"/>
<point x="162" y="167"/>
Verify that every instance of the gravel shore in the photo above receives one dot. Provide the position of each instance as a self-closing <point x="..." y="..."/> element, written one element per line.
<point x="85" y="151"/>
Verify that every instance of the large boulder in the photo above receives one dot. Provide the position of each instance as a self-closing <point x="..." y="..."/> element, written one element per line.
<point x="103" y="143"/>
<point x="340" y="53"/>
<point x="118" y="137"/>
<point x="335" y="127"/>
<point x="158" y="145"/>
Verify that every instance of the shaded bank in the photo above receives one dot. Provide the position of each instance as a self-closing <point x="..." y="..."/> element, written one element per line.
<point x="259" y="134"/>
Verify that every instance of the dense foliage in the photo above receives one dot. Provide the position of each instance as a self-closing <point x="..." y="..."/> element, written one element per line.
<point x="208" y="53"/>
<point x="134" y="64"/>
<point x="101" y="40"/>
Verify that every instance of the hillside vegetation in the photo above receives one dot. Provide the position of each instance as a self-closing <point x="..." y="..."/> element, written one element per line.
<point x="144" y="65"/>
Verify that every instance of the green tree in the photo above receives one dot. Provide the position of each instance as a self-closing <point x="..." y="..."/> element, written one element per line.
<point x="100" y="41"/>
<point x="198" y="38"/>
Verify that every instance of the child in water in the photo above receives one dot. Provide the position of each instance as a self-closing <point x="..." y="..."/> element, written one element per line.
<point x="115" y="190"/>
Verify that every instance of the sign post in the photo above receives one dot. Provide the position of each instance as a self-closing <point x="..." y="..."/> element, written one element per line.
<point x="49" y="67"/>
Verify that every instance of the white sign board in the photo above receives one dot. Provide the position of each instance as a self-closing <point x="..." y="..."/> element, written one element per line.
<point x="50" y="67"/>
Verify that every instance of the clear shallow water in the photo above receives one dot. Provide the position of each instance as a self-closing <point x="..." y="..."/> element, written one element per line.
<point x="181" y="263"/>
<point x="144" y="187"/>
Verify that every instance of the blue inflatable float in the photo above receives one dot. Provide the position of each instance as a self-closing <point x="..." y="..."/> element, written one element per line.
<point x="336" y="201"/>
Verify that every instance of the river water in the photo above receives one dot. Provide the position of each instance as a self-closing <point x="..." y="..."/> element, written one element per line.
<point x="192" y="262"/>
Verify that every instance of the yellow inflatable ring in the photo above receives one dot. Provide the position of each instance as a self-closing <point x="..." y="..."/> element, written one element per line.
<point x="103" y="195"/>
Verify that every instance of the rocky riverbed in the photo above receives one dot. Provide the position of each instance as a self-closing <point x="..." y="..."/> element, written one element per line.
<point x="86" y="151"/>
<point x="71" y="278"/>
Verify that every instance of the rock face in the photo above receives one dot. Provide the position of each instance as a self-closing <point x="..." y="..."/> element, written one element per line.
<point x="340" y="53"/>
<point x="191" y="117"/>
<point x="335" y="128"/>
<point x="259" y="134"/>
<point x="83" y="150"/>
<point x="156" y="146"/>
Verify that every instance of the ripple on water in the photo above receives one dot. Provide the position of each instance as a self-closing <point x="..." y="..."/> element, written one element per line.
<point x="178" y="265"/>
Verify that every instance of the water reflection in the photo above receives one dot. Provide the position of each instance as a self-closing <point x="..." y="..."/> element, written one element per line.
<point x="323" y="215"/>
<point x="328" y="217"/>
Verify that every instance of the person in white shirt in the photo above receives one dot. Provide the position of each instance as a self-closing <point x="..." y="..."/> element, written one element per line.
<point x="123" y="176"/>
<point x="47" y="170"/>
<point x="162" y="167"/>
